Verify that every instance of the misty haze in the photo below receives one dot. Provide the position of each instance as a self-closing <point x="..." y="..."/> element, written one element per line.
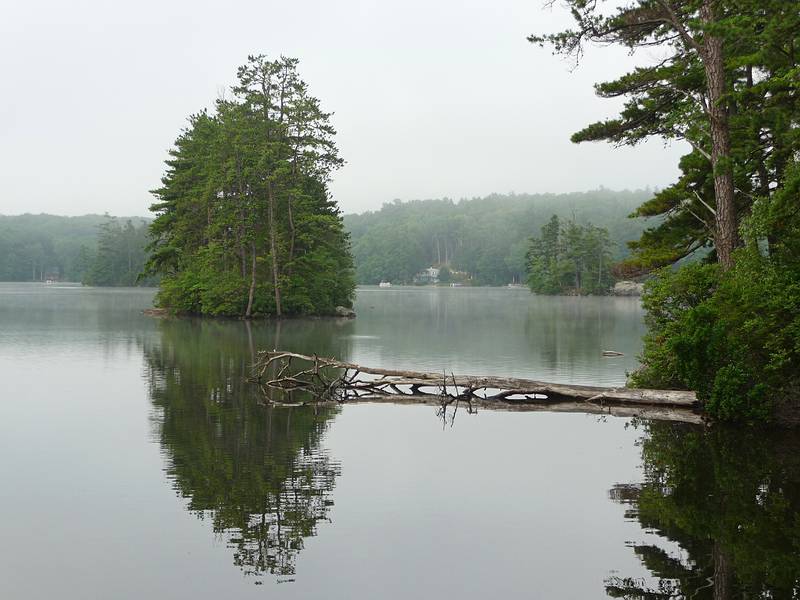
<point x="388" y="300"/>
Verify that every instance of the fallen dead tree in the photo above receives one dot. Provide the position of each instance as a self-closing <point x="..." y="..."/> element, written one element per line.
<point x="331" y="380"/>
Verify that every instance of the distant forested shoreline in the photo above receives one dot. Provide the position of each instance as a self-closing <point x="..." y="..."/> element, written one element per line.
<point x="90" y="249"/>
<point x="486" y="239"/>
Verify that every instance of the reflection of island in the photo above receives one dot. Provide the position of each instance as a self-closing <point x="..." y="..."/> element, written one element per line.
<point x="730" y="499"/>
<point x="258" y="473"/>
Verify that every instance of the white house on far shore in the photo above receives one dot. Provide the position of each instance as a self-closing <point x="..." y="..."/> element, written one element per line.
<point x="429" y="275"/>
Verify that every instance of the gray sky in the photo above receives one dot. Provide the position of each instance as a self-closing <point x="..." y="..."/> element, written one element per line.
<point x="431" y="98"/>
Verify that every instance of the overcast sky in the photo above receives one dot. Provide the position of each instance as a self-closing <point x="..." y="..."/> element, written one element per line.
<point x="431" y="98"/>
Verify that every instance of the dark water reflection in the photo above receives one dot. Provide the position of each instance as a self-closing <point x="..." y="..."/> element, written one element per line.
<point x="719" y="509"/>
<point x="730" y="500"/>
<point x="109" y="415"/>
<point x="257" y="472"/>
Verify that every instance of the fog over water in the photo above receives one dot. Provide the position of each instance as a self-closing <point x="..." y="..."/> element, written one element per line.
<point x="430" y="99"/>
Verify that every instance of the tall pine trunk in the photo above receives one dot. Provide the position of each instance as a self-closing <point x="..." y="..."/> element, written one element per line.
<point x="723" y="574"/>
<point x="249" y="312"/>
<point x="726" y="231"/>
<point x="273" y="249"/>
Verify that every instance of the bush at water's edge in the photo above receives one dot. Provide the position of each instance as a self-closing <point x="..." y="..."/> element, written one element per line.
<point x="730" y="336"/>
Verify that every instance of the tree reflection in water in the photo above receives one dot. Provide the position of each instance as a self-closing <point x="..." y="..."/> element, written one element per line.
<point x="258" y="472"/>
<point x="730" y="499"/>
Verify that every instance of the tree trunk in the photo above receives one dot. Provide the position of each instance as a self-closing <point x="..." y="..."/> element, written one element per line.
<point x="241" y="225"/>
<point x="251" y="293"/>
<point x="243" y="256"/>
<point x="273" y="249"/>
<point x="292" y="235"/>
<point x="726" y="231"/>
<point x="723" y="575"/>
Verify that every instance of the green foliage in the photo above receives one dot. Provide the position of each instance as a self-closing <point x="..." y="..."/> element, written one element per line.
<point x="245" y="223"/>
<point x="732" y="336"/>
<point x="570" y="259"/>
<point x="485" y="237"/>
<point x="120" y="255"/>
<point x="735" y="338"/>
<point x="727" y="84"/>
<point x="729" y="497"/>
<point x="94" y="249"/>
<point x="672" y="99"/>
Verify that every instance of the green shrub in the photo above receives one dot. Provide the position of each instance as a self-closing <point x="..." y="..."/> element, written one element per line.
<point x="730" y="336"/>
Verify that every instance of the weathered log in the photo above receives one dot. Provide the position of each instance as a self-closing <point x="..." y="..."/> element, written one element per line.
<point x="355" y="382"/>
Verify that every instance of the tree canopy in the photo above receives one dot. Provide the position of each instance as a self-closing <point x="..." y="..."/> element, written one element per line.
<point x="727" y="82"/>
<point x="245" y="224"/>
<point x="121" y="254"/>
<point x="570" y="259"/>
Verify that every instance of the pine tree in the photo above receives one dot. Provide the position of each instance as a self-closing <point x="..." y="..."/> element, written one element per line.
<point x="245" y="221"/>
<point x="727" y="85"/>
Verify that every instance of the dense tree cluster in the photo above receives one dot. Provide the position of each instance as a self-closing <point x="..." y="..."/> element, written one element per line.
<point x="487" y="238"/>
<point x="728" y="84"/>
<point x="570" y="259"/>
<point x="121" y="254"/>
<point x="245" y="224"/>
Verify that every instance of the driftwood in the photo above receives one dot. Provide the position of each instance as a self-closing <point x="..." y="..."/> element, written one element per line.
<point x="331" y="380"/>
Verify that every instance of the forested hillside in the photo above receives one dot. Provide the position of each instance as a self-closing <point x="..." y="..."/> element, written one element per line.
<point x="95" y="249"/>
<point x="33" y="247"/>
<point x="486" y="237"/>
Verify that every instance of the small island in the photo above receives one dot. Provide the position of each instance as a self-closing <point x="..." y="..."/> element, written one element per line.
<point x="245" y="225"/>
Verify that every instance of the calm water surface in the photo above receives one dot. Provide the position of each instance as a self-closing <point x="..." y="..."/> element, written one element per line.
<point x="136" y="462"/>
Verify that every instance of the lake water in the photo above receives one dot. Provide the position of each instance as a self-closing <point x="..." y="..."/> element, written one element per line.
<point x="135" y="462"/>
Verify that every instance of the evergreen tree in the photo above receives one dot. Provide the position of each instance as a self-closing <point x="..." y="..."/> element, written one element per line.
<point x="245" y="222"/>
<point x="571" y="259"/>
<point x="727" y="85"/>
<point x="121" y="255"/>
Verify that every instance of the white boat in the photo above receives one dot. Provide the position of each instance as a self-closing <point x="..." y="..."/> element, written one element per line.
<point x="385" y="284"/>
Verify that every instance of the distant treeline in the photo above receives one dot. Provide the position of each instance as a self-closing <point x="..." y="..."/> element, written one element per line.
<point x="93" y="249"/>
<point x="485" y="237"/>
